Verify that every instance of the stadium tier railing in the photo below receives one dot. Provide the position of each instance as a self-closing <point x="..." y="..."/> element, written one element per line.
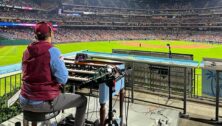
<point x="9" y="84"/>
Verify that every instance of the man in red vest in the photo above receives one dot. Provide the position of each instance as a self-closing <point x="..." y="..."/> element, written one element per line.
<point x="43" y="73"/>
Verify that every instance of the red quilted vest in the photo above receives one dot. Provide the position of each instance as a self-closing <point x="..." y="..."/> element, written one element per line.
<point x="38" y="82"/>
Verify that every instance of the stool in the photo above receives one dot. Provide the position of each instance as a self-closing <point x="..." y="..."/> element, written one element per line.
<point x="35" y="117"/>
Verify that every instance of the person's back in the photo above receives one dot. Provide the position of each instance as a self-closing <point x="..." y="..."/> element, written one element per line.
<point x="37" y="73"/>
<point x="43" y="74"/>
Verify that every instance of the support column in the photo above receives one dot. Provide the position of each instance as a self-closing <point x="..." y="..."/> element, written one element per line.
<point x="122" y="95"/>
<point x="184" y="113"/>
<point x="185" y="92"/>
<point x="217" y="95"/>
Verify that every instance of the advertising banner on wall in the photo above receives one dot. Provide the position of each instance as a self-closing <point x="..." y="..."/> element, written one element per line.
<point x="209" y="82"/>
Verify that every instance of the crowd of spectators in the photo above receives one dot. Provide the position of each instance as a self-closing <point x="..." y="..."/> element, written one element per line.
<point x="122" y="4"/>
<point x="71" y="35"/>
<point x="90" y="15"/>
<point x="147" y="5"/>
<point x="21" y="3"/>
<point x="18" y="14"/>
<point x="17" y="33"/>
<point x="109" y="18"/>
<point x="211" y="37"/>
<point x="115" y="16"/>
<point x="142" y="4"/>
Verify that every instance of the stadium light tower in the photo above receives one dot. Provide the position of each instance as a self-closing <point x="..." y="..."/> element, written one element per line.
<point x="169" y="76"/>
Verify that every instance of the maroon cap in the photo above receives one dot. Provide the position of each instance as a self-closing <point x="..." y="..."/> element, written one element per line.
<point x="43" y="28"/>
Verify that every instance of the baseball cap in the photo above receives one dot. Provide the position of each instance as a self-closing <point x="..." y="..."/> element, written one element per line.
<point x="43" y="28"/>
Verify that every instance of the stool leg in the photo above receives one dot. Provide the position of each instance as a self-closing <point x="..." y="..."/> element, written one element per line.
<point x="25" y="122"/>
<point x="34" y="123"/>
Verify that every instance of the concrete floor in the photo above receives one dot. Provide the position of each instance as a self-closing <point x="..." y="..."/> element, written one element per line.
<point x="139" y="115"/>
<point x="199" y="114"/>
<point x="147" y="114"/>
<point x="193" y="108"/>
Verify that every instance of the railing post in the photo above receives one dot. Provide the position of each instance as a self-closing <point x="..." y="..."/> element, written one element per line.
<point x="15" y="83"/>
<point x="132" y="83"/>
<point x="197" y="86"/>
<point x="5" y="85"/>
<point x="217" y="95"/>
<point x="20" y="76"/>
<point x="0" y="87"/>
<point x="10" y="81"/>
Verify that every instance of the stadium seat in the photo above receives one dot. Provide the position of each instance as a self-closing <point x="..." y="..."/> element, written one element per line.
<point x="35" y="117"/>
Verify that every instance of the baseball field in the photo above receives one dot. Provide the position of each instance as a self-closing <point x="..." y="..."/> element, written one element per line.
<point x="13" y="54"/>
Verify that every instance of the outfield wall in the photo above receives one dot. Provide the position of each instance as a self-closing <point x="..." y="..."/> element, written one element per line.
<point x="4" y="42"/>
<point x="14" y="42"/>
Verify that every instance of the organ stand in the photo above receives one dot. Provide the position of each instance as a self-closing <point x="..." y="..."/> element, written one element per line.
<point x="106" y="76"/>
<point x="110" y="121"/>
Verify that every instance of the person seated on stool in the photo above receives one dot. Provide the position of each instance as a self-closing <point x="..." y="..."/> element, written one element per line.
<point x="43" y="74"/>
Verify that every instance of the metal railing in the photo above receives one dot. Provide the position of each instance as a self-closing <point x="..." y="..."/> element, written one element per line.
<point x="9" y="85"/>
<point x="143" y="81"/>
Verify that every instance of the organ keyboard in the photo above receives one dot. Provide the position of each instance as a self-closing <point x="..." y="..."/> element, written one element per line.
<point x="81" y="79"/>
<point x="82" y="71"/>
<point x="97" y="73"/>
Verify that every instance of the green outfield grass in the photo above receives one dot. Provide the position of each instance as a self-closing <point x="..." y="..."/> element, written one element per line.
<point x="13" y="54"/>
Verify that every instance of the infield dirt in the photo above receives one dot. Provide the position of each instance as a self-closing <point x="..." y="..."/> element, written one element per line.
<point x="188" y="46"/>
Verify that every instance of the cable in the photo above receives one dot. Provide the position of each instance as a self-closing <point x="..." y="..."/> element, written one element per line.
<point x="94" y="108"/>
<point x="53" y="110"/>
<point x="87" y="116"/>
<point x="128" y="102"/>
<point x="127" y="109"/>
<point x="93" y="111"/>
<point x="159" y="112"/>
<point x="95" y="105"/>
<point x="97" y="100"/>
<point x="115" y="101"/>
<point x="156" y="111"/>
<point x="88" y="107"/>
<point x="143" y="112"/>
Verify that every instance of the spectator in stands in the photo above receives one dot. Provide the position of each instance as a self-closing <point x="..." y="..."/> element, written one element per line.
<point x="43" y="74"/>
